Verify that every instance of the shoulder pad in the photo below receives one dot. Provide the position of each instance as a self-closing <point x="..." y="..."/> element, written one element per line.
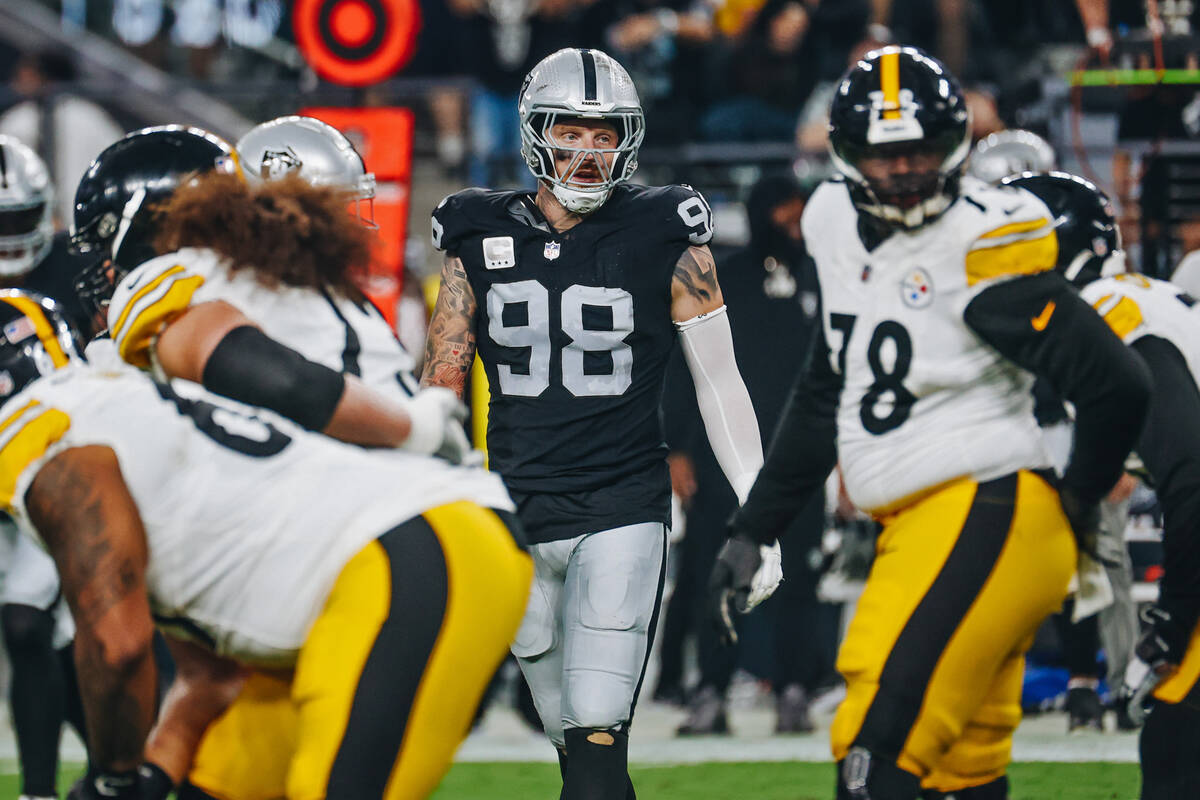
<point x="466" y="213"/>
<point x="1015" y="235"/>
<point x="151" y="297"/>
<point x="27" y="432"/>
<point x="682" y="211"/>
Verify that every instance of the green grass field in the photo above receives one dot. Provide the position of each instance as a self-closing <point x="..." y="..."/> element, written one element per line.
<point x="753" y="781"/>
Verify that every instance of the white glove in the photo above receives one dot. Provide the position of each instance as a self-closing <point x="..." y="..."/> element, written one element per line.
<point x="768" y="576"/>
<point x="436" y="417"/>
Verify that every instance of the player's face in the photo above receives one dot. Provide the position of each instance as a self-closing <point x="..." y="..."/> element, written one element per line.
<point x="578" y="167"/>
<point x="902" y="175"/>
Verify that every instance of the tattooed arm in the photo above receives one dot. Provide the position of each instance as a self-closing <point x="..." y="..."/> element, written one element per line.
<point x="450" y="345"/>
<point x="82" y="509"/>
<point x="694" y="287"/>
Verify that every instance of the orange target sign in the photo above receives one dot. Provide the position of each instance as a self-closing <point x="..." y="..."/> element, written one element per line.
<point x="356" y="42"/>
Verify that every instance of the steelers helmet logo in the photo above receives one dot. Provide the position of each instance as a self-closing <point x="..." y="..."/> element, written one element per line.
<point x="356" y="42"/>
<point x="916" y="289"/>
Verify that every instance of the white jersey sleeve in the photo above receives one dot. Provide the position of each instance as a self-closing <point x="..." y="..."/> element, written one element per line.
<point x="1135" y="306"/>
<point x="340" y="333"/>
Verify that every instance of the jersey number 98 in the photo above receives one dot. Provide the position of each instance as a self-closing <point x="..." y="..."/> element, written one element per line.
<point x="532" y="332"/>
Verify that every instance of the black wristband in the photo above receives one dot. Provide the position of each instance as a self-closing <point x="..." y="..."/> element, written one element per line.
<point x="251" y="367"/>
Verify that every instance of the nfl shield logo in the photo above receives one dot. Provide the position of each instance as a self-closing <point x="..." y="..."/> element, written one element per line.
<point x="551" y="251"/>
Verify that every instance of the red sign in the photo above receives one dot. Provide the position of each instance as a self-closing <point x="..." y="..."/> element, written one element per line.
<point x="356" y="42"/>
<point x="383" y="137"/>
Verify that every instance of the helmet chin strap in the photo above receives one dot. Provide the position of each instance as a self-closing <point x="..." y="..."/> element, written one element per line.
<point x="579" y="202"/>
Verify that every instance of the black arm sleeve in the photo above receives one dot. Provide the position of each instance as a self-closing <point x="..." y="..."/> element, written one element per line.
<point x="802" y="453"/>
<point x="1081" y="358"/>
<point x="251" y="367"/>
<point x="1170" y="448"/>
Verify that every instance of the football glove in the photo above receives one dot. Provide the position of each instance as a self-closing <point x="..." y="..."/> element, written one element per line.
<point x="745" y="574"/>
<point x="437" y="419"/>
<point x="1157" y="654"/>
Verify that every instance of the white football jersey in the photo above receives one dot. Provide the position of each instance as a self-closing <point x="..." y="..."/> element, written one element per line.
<point x="925" y="401"/>
<point x="323" y="327"/>
<point x="1135" y="306"/>
<point x="249" y="519"/>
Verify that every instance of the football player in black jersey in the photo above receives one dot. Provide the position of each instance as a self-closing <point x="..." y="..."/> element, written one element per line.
<point x="573" y="297"/>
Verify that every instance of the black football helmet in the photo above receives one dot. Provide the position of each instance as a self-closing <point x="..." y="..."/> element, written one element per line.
<point x="899" y="131"/>
<point x="115" y="202"/>
<point x="35" y="340"/>
<point x="1089" y="241"/>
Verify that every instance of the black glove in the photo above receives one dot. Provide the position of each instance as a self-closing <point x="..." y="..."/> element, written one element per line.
<point x="1160" y="649"/>
<point x="103" y="785"/>
<point x="729" y="583"/>
<point x="1084" y="519"/>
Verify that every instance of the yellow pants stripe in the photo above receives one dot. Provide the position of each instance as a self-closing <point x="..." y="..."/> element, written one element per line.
<point x="1182" y="682"/>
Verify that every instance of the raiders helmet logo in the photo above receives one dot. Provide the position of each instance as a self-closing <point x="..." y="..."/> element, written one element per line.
<point x="277" y="163"/>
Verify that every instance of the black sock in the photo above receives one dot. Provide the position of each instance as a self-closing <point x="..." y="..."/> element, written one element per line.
<point x="74" y="702"/>
<point x="187" y="791"/>
<point x="597" y="765"/>
<point x="1167" y="748"/>
<point x="37" y="695"/>
<point x="992" y="790"/>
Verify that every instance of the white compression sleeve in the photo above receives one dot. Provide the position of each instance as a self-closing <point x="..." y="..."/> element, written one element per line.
<point x="725" y="406"/>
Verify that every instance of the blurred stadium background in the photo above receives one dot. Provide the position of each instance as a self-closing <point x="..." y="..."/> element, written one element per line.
<point x="734" y="90"/>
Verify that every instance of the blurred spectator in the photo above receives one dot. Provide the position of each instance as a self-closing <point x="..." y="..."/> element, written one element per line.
<point x="498" y="42"/>
<point x="66" y="130"/>
<point x="769" y="287"/>
<point x="773" y="67"/>
<point x="665" y="46"/>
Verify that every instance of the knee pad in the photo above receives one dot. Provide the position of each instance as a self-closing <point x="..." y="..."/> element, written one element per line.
<point x="863" y="775"/>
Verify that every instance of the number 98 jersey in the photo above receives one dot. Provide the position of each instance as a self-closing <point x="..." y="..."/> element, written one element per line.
<point x="573" y="328"/>
<point x="924" y="400"/>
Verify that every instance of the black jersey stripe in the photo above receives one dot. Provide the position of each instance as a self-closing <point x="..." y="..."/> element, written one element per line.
<point x="589" y="74"/>
<point x="3" y="167"/>
<point x="353" y="348"/>
<point x="914" y="656"/>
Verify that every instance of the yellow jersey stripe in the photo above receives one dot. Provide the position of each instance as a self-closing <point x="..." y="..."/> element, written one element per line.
<point x="28" y="444"/>
<point x="1017" y="227"/>
<point x="1022" y="257"/>
<point x="149" y="322"/>
<point x="889" y="82"/>
<point x="16" y="415"/>
<point x="139" y="294"/>
<point x="41" y="326"/>
<point x="1124" y="317"/>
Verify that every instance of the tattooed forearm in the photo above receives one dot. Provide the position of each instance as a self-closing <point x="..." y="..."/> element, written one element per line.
<point x="67" y="508"/>
<point x="694" y="283"/>
<point x="450" y="344"/>
<point x="82" y="509"/>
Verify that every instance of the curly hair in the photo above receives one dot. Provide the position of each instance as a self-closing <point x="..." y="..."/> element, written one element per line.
<point x="285" y="232"/>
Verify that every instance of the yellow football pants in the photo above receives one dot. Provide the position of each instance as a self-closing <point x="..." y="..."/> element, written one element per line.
<point x="934" y="655"/>
<point x="1181" y="686"/>
<point x="387" y="683"/>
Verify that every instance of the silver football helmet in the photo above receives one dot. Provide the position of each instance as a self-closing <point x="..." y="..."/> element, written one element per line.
<point x="1012" y="152"/>
<point x="316" y="151"/>
<point x="583" y="84"/>
<point x="26" y="208"/>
